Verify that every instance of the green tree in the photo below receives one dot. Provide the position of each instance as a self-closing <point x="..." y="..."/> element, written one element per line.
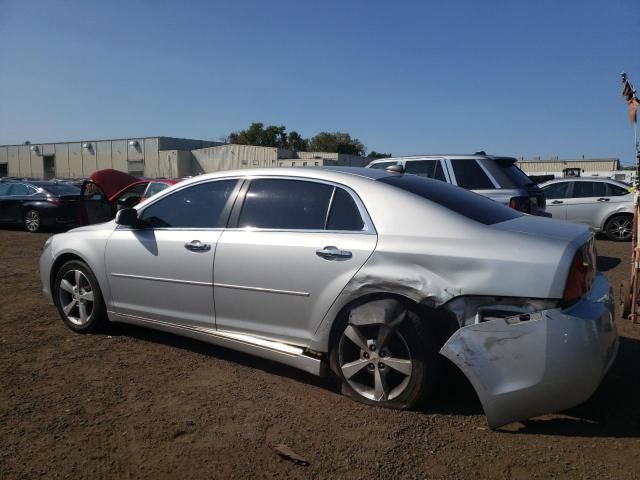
<point x="375" y="155"/>
<point x="296" y="142"/>
<point x="336" y="142"/>
<point x="260" y="136"/>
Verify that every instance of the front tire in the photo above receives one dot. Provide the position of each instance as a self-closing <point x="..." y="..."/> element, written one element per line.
<point x="32" y="221"/>
<point x="78" y="298"/>
<point x="619" y="228"/>
<point x="392" y="364"/>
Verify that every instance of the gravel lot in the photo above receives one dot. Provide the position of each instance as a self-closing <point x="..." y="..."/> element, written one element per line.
<point x="141" y="404"/>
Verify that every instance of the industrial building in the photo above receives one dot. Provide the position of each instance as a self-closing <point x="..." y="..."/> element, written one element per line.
<point x="588" y="167"/>
<point x="153" y="157"/>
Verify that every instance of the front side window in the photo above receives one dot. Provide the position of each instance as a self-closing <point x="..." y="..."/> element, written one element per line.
<point x="589" y="189"/>
<point x="199" y="206"/>
<point x="425" y="168"/>
<point x="556" y="190"/>
<point x="285" y="205"/>
<point x="470" y="175"/>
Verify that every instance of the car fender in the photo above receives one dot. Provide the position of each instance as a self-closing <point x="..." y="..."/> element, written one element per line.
<point x="627" y="209"/>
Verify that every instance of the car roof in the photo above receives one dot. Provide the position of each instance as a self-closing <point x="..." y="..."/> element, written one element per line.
<point x="320" y="173"/>
<point x="461" y="156"/>
<point x="585" y="179"/>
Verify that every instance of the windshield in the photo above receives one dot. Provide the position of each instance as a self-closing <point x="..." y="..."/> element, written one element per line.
<point x="506" y="173"/>
<point x="471" y="205"/>
<point x="59" y="189"/>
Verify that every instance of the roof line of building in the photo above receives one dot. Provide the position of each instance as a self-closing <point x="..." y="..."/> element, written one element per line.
<point x="104" y="140"/>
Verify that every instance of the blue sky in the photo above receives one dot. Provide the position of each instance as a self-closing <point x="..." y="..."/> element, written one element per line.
<point x="522" y="78"/>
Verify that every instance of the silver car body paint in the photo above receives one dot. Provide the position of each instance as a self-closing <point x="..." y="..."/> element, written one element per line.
<point x="592" y="211"/>
<point x="244" y="293"/>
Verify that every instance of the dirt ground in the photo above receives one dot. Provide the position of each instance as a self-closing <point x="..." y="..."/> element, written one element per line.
<point x="135" y="403"/>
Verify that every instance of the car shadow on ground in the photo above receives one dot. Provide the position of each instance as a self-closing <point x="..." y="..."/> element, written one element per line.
<point x="612" y="411"/>
<point x="607" y="263"/>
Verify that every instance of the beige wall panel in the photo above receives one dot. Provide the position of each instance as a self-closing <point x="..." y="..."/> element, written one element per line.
<point x="75" y="160"/>
<point x="62" y="160"/>
<point x="119" y="155"/>
<point x="103" y="155"/>
<point x="24" y="156"/>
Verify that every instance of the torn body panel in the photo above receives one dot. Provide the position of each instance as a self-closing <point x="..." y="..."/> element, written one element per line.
<point x="552" y="361"/>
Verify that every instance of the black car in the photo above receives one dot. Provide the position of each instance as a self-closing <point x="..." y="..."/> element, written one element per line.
<point x="38" y="204"/>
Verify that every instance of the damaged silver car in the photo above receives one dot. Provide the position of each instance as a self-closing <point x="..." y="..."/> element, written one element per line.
<point x="362" y="274"/>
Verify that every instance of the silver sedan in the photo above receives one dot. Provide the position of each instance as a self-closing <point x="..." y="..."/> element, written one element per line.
<point x="362" y="274"/>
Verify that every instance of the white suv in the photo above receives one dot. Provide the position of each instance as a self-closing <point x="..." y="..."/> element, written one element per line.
<point x="495" y="177"/>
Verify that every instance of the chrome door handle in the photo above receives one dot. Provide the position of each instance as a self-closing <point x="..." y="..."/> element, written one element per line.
<point x="197" y="246"/>
<point x="603" y="199"/>
<point x="556" y="202"/>
<point x="333" y="253"/>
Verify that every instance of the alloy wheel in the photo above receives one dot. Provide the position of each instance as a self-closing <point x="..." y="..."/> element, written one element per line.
<point x="621" y="228"/>
<point x="375" y="360"/>
<point x="32" y="221"/>
<point x="76" y="297"/>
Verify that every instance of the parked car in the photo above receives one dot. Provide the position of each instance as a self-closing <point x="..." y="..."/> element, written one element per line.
<point x="341" y="271"/>
<point x="38" y="204"/>
<point x="604" y="204"/>
<point x="108" y="190"/>
<point x="495" y="177"/>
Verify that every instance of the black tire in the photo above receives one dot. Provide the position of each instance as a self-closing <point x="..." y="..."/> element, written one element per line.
<point x="32" y="221"/>
<point x="94" y="318"/>
<point x="409" y="330"/>
<point x="619" y="228"/>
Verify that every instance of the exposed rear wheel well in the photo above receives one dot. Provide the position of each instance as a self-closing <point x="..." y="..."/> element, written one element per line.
<point x="443" y="323"/>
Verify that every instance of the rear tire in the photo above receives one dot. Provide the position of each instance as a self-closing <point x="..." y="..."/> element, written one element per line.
<point x="619" y="228"/>
<point x="32" y="221"/>
<point x="391" y="365"/>
<point x="78" y="298"/>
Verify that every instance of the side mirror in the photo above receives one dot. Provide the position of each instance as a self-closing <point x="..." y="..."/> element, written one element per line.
<point x="127" y="217"/>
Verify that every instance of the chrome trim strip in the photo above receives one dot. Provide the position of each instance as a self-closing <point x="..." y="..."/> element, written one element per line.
<point x="276" y="351"/>
<point x="159" y="279"/>
<point x="265" y="290"/>
<point x="209" y="284"/>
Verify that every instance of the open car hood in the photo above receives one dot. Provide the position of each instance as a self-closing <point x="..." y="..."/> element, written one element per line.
<point x="113" y="182"/>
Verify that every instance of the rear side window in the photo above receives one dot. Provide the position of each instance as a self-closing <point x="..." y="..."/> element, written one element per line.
<point x="383" y="165"/>
<point x="199" y="206"/>
<point x="425" y="168"/>
<point x="285" y="205"/>
<point x="470" y="175"/>
<point x="344" y="214"/>
<point x="4" y="188"/>
<point x="20" y="189"/>
<point x="589" y="189"/>
<point x="506" y="173"/>
<point x="556" y="190"/>
<point x="469" y="204"/>
<point x="617" y="190"/>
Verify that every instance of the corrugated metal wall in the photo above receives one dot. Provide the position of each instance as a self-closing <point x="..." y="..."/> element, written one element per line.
<point x="230" y="157"/>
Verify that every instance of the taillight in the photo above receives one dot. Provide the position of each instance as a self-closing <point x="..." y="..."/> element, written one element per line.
<point x="581" y="274"/>
<point x="522" y="204"/>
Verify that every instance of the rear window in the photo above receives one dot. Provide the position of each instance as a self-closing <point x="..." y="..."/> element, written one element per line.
<point x="469" y="204"/>
<point x="470" y="175"/>
<point x="506" y="173"/>
<point x="62" y="189"/>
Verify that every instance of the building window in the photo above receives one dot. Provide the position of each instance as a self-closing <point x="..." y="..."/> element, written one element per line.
<point x="3" y="170"/>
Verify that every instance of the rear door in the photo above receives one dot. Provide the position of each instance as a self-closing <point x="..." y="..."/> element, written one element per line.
<point x="295" y="244"/>
<point x="557" y="194"/>
<point x="430" y="168"/>
<point x="588" y="202"/>
<point x="4" y="198"/>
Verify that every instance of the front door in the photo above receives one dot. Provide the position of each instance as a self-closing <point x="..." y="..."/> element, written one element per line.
<point x="164" y="270"/>
<point x="296" y="244"/>
<point x="556" y="195"/>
